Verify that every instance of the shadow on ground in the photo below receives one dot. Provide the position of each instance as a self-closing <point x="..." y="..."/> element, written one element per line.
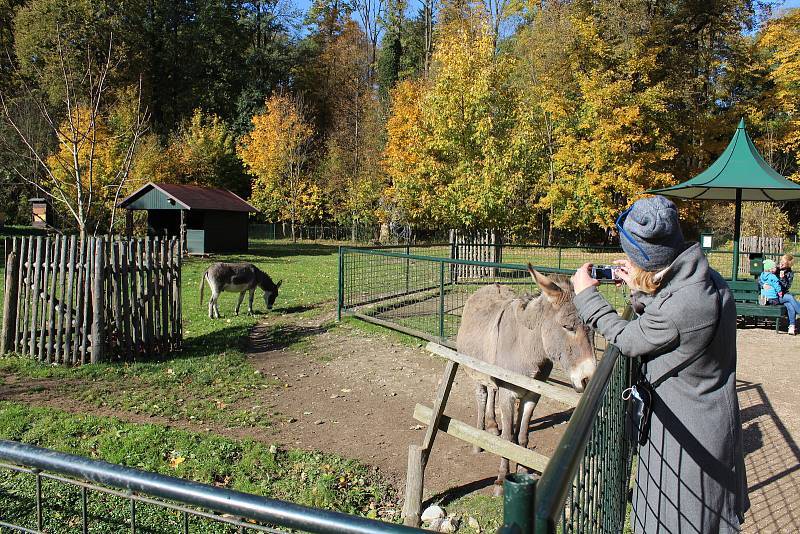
<point x="772" y="460"/>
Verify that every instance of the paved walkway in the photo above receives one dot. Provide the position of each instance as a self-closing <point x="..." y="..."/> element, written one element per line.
<point x="769" y="397"/>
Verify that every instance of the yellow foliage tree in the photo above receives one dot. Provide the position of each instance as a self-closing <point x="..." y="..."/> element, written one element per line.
<point x="90" y="168"/>
<point x="611" y="148"/>
<point x="275" y="153"/>
<point x="780" y="41"/>
<point x="454" y="153"/>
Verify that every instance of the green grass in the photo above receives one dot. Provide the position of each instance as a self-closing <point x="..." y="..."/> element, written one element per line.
<point x="210" y="380"/>
<point x="314" y="479"/>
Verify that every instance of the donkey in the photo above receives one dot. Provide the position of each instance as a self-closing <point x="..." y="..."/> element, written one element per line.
<point x="237" y="277"/>
<point x="524" y="334"/>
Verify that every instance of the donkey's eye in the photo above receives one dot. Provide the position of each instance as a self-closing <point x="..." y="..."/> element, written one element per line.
<point x="569" y="327"/>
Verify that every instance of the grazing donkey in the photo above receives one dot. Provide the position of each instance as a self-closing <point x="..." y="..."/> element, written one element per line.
<point x="237" y="277"/>
<point x="524" y="334"/>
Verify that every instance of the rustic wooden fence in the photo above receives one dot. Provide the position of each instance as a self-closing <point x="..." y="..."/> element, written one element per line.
<point x="483" y="246"/>
<point x="73" y="301"/>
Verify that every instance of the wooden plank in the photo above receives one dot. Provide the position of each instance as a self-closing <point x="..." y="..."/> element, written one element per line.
<point x="485" y="440"/>
<point x="562" y="394"/>
<point x="125" y="285"/>
<point x="171" y="285"/>
<point x="149" y="308"/>
<point x="43" y="299"/>
<point x="83" y="352"/>
<point x="51" y="300"/>
<point x="98" y="303"/>
<point x="132" y="283"/>
<point x="415" y="480"/>
<point x="116" y="305"/>
<point x="34" y="297"/>
<point x="164" y="307"/>
<point x="178" y="300"/>
<point x="20" y="295"/>
<point x="67" y="357"/>
<point x="58" y="347"/>
<point x="9" y="303"/>
<point x="79" y="307"/>
<point x="438" y="406"/>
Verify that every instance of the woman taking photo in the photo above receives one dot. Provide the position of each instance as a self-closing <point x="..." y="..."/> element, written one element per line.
<point x="690" y="476"/>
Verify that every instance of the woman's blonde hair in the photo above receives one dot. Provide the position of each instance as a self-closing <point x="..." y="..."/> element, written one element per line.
<point x="787" y="259"/>
<point x="645" y="281"/>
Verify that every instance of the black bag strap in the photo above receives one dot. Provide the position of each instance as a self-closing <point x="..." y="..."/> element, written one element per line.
<point x="683" y="365"/>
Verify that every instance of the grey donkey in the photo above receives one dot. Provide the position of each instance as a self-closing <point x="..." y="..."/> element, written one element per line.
<point x="237" y="277"/>
<point x="524" y="334"/>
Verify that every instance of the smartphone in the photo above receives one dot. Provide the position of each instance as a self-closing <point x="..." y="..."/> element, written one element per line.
<point x="605" y="272"/>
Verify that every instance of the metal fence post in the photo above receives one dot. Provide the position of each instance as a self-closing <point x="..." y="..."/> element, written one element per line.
<point x="559" y="257"/>
<point x="340" y="296"/>
<point x="518" y="497"/>
<point x="408" y="251"/>
<point x="441" y="300"/>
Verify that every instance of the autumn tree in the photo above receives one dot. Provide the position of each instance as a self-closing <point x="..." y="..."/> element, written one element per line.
<point x="65" y="74"/>
<point x="275" y="152"/>
<point x="455" y="158"/>
<point x="350" y="157"/>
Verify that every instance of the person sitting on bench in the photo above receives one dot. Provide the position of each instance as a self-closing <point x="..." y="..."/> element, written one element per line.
<point x="773" y="295"/>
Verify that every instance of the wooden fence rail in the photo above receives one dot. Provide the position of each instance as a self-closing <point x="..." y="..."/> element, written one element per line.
<point x="73" y="301"/>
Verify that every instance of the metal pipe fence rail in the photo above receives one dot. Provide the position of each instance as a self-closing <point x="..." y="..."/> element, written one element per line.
<point x="67" y="493"/>
<point x="422" y="290"/>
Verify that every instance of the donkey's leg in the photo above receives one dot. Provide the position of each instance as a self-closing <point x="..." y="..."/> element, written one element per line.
<point x="505" y="399"/>
<point x="213" y="302"/>
<point x="480" y="403"/>
<point x="491" y="417"/>
<point x="239" y="303"/>
<point x="250" y="300"/>
<point x="526" y="407"/>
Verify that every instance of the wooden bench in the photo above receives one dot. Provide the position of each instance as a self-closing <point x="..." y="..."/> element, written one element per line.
<point x="745" y="293"/>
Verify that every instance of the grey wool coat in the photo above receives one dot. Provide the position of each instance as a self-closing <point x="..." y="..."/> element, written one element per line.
<point x="691" y="477"/>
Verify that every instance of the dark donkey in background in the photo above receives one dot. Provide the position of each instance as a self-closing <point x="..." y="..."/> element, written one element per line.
<point x="525" y="334"/>
<point x="237" y="277"/>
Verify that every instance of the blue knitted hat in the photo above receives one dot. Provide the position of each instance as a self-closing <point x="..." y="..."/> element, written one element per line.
<point x="651" y="235"/>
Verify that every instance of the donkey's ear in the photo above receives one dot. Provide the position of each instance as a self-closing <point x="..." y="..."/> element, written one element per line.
<point x="279" y="283"/>
<point x="549" y="288"/>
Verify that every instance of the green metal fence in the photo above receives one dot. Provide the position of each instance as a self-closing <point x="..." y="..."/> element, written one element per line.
<point x="422" y="290"/>
<point x="585" y="486"/>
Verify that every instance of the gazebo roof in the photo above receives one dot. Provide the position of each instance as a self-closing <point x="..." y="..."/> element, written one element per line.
<point x="739" y="167"/>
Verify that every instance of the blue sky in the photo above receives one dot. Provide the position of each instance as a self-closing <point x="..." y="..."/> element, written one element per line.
<point x="303" y="5"/>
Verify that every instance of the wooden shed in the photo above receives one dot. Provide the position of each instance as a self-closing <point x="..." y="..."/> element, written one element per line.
<point x="212" y="220"/>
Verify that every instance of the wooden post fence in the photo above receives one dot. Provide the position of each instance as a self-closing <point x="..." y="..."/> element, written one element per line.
<point x="73" y="301"/>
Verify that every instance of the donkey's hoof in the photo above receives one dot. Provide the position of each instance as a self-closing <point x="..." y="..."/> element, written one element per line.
<point x="498" y="489"/>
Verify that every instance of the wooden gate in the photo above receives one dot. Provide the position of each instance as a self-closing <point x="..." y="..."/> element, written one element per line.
<point x="74" y="301"/>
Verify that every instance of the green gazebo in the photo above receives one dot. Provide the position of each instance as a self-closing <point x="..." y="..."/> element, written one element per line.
<point x="740" y="173"/>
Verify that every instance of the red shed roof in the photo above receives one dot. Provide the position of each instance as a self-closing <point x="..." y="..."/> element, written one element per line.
<point x="195" y="197"/>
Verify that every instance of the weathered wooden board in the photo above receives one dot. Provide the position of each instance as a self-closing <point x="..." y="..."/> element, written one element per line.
<point x="560" y="393"/>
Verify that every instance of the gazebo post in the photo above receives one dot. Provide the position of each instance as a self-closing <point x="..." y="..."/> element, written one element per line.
<point x="737" y="226"/>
